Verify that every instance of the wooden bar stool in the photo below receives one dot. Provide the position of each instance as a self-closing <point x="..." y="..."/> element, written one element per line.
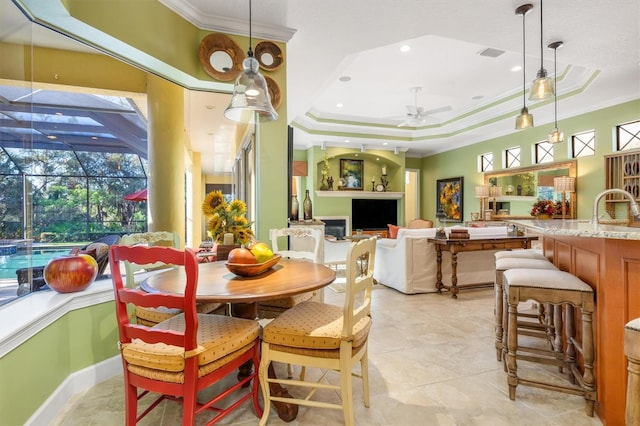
<point x="632" y="351"/>
<point x="503" y="264"/>
<point x="555" y="287"/>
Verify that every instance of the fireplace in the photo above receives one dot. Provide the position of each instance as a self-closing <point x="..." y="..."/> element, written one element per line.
<point x="338" y="226"/>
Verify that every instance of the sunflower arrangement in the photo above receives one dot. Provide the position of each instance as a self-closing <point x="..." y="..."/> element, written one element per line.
<point x="226" y="218"/>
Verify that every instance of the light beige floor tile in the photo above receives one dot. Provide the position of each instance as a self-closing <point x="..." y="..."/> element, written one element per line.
<point x="431" y="362"/>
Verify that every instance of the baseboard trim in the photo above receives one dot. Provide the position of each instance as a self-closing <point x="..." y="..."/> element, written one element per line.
<point x="79" y="381"/>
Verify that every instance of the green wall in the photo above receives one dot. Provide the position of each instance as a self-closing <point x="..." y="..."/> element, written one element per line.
<point x="372" y="166"/>
<point x="33" y="371"/>
<point x="464" y="161"/>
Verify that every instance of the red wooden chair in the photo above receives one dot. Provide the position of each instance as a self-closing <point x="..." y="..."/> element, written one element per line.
<point x="186" y="353"/>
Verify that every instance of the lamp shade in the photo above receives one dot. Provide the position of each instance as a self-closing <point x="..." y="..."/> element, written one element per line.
<point x="250" y="95"/>
<point x="495" y="191"/>
<point x="482" y="191"/>
<point x="564" y="184"/>
<point x="524" y="120"/>
<point x="555" y="136"/>
<point x="542" y="87"/>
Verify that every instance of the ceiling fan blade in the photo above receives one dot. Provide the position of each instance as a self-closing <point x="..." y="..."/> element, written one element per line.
<point x="412" y="110"/>
<point x="438" y="110"/>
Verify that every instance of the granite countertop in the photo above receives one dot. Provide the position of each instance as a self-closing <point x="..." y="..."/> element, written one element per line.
<point x="579" y="228"/>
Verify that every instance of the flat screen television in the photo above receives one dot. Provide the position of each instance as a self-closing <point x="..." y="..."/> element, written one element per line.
<point x="373" y="214"/>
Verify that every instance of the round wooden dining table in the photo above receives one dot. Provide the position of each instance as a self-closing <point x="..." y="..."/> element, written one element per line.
<point x="217" y="284"/>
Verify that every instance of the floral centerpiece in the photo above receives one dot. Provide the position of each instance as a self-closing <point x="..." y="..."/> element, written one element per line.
<point x="226" y="218"/>
<point x="546" y="208"/>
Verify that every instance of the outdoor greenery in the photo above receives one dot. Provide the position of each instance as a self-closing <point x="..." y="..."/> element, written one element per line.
<point x="67" y="196"/>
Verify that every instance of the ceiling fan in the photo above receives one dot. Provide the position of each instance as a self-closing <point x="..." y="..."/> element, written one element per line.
<point x="416" y="115"/>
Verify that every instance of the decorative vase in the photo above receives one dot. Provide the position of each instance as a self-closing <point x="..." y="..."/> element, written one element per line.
<point x="295" y="206"/>
<point x="306" y="205"/>
<point x="543" y="217"/>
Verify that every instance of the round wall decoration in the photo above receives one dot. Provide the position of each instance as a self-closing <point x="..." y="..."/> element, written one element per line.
<point x="269" y="55"/>
<point x="220" y="57"/>
<point x="274" y="92"/>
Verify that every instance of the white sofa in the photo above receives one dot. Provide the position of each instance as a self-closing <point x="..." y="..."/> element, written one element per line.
<point x="408" y="263"/>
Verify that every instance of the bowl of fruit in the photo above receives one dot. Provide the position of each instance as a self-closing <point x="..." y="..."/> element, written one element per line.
<point x="252" y="261"/>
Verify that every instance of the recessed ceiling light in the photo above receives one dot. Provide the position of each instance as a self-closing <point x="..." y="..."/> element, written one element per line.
<point x="210" y="106"/>
<point x="477" y="97"/>
<point x="52" y="137"/>
<point x="347" y="140"/>
<point x="385" y="143"/>
<point x="345" y="78"/>
<point x="517" y="68"/>
<point x="339" y="105"/>
<point x="405" y="48"/>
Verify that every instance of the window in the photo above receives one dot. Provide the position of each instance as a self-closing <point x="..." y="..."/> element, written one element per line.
<point x="628" y="136"/>
<point x="544" y="152"/>
<point x="583" y="144"/>
<point x="512" y="157"/>
<point x="486" y="162"/>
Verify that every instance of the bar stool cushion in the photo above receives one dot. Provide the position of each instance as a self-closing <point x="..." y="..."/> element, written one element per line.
<point x="525" y="253"/>
<point x="523" y="263"/>
<point x="632" y="338"/>
<point x="545" y="279"/>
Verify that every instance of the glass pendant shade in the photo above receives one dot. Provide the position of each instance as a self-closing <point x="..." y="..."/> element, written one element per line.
<point x="542" y="87"/>
<point x="555" y="136"/>
<point x="250" y="95"/>
<point x="524" y="120"/>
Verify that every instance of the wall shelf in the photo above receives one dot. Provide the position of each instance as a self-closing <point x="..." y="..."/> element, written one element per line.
<point x="360" y="194"/>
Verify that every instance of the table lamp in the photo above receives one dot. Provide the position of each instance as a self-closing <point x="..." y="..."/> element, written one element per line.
<point x="495" y="192"/>
<point x="564" y="184"/>
<point x="482" y="192"/>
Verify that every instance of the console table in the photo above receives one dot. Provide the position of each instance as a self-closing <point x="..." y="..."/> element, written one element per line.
<point x="455" y="246"/>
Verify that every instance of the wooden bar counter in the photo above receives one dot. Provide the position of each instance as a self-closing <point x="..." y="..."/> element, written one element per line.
<point x="608" y="259"/>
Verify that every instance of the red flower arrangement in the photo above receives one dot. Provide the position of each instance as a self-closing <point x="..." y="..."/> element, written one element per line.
<point x="546" y="207"/>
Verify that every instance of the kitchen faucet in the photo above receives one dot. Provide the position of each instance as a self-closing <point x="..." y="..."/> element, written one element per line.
<point x="633" y="205"/>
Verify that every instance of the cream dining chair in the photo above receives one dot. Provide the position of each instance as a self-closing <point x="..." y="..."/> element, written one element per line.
<point x="328" y="337"/>
<point x="278" y="237"/>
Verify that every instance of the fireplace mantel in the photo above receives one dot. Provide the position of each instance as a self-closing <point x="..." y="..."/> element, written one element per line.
<point x="361" y="194"/>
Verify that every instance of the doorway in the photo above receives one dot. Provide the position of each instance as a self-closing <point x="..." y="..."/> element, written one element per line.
<point x="411" y="194"/>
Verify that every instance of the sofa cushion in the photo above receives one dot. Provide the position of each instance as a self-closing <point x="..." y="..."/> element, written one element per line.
<point x="425" y="232"/>
<point x="393" y="231"/>
<point x="419" y="224"/>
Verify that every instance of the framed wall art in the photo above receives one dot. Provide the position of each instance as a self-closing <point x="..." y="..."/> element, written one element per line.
<point x="449" y="198"/>
<point x="351" y="173"/>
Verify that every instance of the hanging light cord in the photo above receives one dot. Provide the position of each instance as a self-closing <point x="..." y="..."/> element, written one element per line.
<point x="250" y="52"/>
<point x="555" y="92"/>
<point x="541" y="47"/>
<point x="524" y="68"/>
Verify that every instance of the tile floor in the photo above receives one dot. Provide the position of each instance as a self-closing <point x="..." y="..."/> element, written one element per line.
<point x="431" y="362"/>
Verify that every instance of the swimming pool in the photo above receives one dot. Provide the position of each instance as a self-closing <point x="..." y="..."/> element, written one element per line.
<point x="9" y="264"/>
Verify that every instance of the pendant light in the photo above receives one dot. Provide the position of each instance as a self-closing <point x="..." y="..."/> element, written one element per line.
<point x="542" y="87"/>
<point x="524" y="120"/>
<point x="250" y="93"/>
<point x="555" y="136"/>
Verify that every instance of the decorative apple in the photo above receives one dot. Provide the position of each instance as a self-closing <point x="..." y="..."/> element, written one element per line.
<point x="70" y="273"/>
<point x="241" y="255"/>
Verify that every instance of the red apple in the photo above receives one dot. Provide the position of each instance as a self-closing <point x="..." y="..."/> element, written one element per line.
<point x="242" y="255"/>
<point x="69" y="273"/>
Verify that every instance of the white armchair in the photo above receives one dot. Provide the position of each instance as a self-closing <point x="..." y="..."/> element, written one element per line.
<point x="408" y="263"/>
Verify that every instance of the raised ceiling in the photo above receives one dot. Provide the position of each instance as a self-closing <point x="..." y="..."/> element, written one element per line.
<point x="478" y="95"/>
